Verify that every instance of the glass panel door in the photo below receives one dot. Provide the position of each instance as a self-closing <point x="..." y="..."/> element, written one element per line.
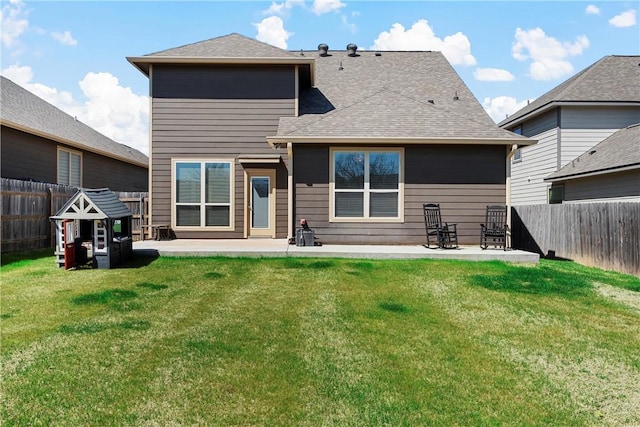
<point x="260" y="202"/>
<point x="260" y="217"/>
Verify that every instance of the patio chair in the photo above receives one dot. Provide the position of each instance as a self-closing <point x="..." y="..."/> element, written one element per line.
<point x="495" y="229"/>
<point x="445" y="235"/>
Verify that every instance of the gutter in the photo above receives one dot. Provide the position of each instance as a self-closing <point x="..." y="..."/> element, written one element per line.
<point x="593" y="173"/>
<point x="278" y="141"/>
<point x="554" y="104"/>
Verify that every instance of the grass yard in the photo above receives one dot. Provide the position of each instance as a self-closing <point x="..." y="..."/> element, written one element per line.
<point x="307" y="342"/>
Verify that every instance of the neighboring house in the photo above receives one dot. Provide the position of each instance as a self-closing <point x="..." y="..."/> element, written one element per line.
<point x="42" y="143"/>
<point x="569" y="120"/>
<point x="248" y="139"/>
<point x="610" y="171"/>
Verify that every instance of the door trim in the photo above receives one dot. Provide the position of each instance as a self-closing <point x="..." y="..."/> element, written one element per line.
<point x="268" y="232"/>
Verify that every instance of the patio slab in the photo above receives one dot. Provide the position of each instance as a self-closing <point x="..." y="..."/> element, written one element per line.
<point x="281" y="248"/>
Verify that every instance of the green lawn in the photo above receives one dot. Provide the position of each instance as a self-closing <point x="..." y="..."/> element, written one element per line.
<point x="295" y="342"/>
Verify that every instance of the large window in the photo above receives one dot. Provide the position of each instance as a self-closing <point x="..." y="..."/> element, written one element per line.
<point x="69" y="167"/>
<point x="367" y="184"/>
<point x="203" y="194"/>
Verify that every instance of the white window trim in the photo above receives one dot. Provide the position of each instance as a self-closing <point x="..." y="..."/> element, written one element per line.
<point x="367" y="191"/>
<point x="231" y="226"/>
<point x="517" y="156"/>
<point x="78" y="153"/>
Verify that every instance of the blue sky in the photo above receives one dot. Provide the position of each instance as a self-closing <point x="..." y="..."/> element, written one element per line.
<point x="73" y="53"/>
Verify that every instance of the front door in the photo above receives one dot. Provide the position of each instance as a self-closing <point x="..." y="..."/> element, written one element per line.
<point x="260" y="214"/>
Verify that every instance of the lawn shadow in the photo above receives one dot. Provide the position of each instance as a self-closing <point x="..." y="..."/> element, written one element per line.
<point x="141" y="258"/>
<point x="535" y="280"/>
<point x="9" y="258"/>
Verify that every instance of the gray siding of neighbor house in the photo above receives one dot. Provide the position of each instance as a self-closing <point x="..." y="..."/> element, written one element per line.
<point x="563" y="134"/>
<point x="30" y="157"/>
<point x="463" y="179"/>
<point x="202" y="113"/>
<point x="583" y="128"/>
<point x="538" y="161"/>
<point x="611" y="187"/>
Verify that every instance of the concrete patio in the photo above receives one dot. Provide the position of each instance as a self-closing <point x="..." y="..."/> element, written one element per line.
<point x="281" y="248"/>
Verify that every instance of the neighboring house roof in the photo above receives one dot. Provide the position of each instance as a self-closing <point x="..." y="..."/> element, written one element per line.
<point x="390" y="95"/>
<point x="22" y="110"/>
<point x="229" y="49"/>
<point x="100" y="203"/>
<point x="620" y="151"/>
<point x="612" y="79"/>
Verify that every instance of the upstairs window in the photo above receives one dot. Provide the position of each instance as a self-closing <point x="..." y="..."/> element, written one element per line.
<point x="517" y="156"/>
<point x="69" y="167"/>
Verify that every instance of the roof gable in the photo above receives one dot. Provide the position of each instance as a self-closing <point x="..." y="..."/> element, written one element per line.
<point x="611" y="79"/>
<point x="621" y="150"/>
<point x="93" y="204"/>
<point x="230" y="46"/>
<point x="25" y="111"/>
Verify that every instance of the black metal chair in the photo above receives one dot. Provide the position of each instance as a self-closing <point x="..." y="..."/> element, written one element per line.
<point x="445" y="235"/>
<point x="495" y="230"/>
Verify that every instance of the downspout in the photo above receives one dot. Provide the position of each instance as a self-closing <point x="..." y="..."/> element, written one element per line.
<point x="150" y="182"/>
<point x="290" y="192"/>
<point x="510" y="153"/>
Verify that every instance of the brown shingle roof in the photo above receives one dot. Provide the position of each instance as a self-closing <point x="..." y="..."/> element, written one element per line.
<point x="611" y="79"/>
<point x="230" y="46"/>
<point x="389" y="94"/>
<point x="620" y="150"/>
<point x="28" y="112"/>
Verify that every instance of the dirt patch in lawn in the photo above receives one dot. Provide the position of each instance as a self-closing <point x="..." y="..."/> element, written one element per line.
<point x="623" y="296"/>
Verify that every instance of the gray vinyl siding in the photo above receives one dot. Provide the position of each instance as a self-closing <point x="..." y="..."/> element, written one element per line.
<point x="30" y="157"/>
<point x="583" y="128"/>
<point x="527" y="175"/>
<point x="103" y="172"/>
<point x="539" y="124"/>
<point x="463" y="179"/>
<point x="215" y="124"/>
<point x="611" y="187"/>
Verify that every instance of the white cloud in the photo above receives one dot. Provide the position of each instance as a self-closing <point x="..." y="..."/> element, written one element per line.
<point x="115" y="111"/>
<point x="271" y="30"/>
<point x="548" y="55"/>
<point x="493" y="75"/>
<point x="65" y="38"/>
<point x="111" y="109"/>
<point x="625" y="19"/>
<point x="350" y="26"/>
<point x="420" y="36"/>
<point x="282" y="8"/>
<point x="13" y="22"/>
<point x="502" y="106"/>
<point x="592" y="10"/>
<point x="325" y="6"/>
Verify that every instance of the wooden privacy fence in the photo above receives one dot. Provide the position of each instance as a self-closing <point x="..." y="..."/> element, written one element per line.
<point x="604" y="235"/>
<point x="27" y="206"/>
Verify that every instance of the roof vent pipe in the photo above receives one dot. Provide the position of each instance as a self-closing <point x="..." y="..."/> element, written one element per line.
<point x="323" y="49"/>
<point x="351" y="49"/>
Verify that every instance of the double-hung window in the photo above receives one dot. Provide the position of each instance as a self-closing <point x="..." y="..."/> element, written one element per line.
<point x="203" y="194"/>
<point x="69" y="167"/>
<point x="366" y="185"/>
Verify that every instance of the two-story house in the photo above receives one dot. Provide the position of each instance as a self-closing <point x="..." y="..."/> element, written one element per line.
<point x="568" y="121"/>
<point x="43" y="143"/>
<point x="248" y="139"/>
